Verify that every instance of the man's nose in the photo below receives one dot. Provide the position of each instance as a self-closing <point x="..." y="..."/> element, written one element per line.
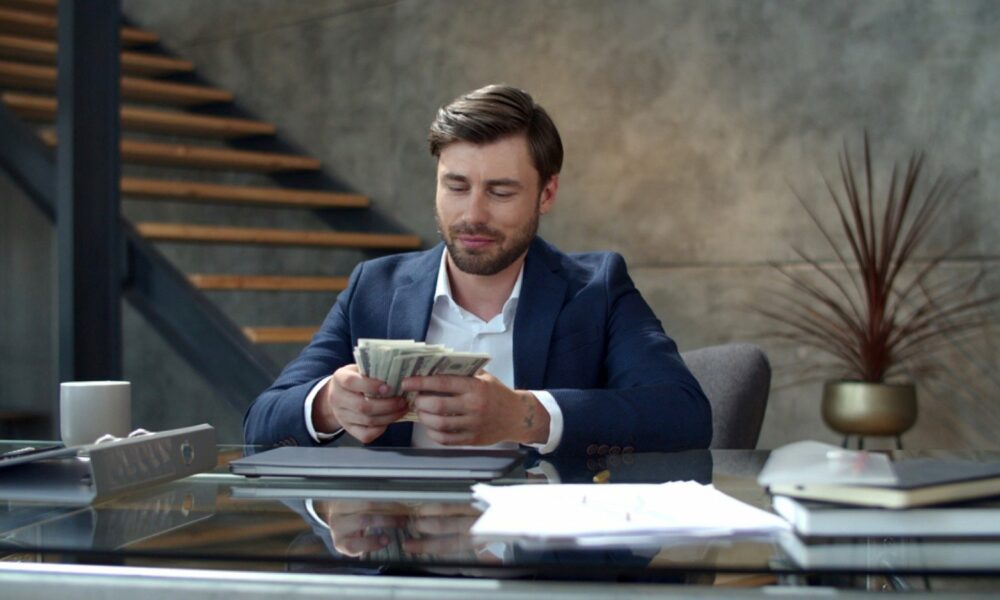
<point x="477" y="211"/>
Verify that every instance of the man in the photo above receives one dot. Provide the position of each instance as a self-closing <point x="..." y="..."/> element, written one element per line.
<point x="579" y="362"/>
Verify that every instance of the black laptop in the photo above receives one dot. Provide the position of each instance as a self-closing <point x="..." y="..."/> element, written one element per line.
<point x="378" y="463"/>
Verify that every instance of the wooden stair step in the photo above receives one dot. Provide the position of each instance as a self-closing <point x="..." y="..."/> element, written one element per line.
<point x="192" y="191"/>
<point x="135" y="63"/>
<point x="43" y="108"/>
<point x="268" y="283"/>
<point x="184" y="94"/>
<point x="43" y="77"/>
<point x="210" y="234"/>
<point x="27" y="22"/>
<point x="206" y="157"/>
<point x="144" y="63"/>
<point x="45" y="6"/>
<point x="280" y="335"/>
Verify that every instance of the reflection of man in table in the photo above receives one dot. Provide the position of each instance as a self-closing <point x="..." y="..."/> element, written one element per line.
<point x="579" y="362"/>
<point x="383" y="531"/>
<point x="434" y="535"/>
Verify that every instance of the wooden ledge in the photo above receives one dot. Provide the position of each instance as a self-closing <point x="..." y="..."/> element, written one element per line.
<point x="209" y="234"/>
<point x="43" y="77"/>
<point x="191" y="191"/>
<point x="43" y="108"/>
<point x="29" y="22"/>
<point x="268" y="283"/>
<point x="136" y="63"/>
<point x="280" y="335"/>
<point x="204" y="157"/>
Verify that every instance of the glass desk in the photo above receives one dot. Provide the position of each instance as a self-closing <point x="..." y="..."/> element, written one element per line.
<point x="217" y="522"/>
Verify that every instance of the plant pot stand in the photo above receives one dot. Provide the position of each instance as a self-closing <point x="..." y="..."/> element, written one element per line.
<point x="846" y="441"/>
<point x="865" y="409"/>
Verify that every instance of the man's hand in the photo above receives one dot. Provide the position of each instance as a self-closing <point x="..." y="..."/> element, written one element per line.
<point x="477" y="410"/>
<point x="343" y="403"/>
<point x="357" y="527"/>
<point x="362" y="529"/>
<point x="443" y="530"/>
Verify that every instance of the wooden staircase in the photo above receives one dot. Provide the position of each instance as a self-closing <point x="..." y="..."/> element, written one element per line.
<point x="158" y="101"/>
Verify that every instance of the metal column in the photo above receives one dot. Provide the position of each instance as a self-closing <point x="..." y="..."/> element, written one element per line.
<point x="90" y="250"/>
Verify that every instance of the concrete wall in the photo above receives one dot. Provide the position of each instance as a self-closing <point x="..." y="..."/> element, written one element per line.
<point x="685" y="125"/>
<point x="28" y="370"/>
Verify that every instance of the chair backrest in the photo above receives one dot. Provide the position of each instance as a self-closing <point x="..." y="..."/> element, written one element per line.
<point x="736" y="378"/>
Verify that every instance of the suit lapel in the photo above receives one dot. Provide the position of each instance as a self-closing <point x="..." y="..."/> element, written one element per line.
<point x="409" y="315"/>
<point x="410" y="311"/>
<point x="542" y="294"/>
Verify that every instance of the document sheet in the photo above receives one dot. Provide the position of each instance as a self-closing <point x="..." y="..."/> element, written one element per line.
<point x="598" y="514"/>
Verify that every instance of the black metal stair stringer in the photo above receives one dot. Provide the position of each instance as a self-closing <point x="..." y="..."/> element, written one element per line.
<point x="29" y="162"/>
<point x="194" y="326"/>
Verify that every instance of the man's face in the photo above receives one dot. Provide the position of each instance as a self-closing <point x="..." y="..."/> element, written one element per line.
<point x="488" y="203"/>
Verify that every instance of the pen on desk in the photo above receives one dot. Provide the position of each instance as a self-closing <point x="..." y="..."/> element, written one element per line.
<point x="602" y="477"/>
<point x="28" y="451"/>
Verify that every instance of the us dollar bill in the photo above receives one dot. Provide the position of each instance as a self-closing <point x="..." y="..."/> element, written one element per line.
<point x="392" y="361"/>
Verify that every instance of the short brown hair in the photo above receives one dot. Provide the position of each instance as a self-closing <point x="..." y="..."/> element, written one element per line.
<point x="494" y="112"/>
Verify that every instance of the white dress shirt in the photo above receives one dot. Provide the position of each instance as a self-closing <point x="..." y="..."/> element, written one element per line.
<point x="454" y="327"/>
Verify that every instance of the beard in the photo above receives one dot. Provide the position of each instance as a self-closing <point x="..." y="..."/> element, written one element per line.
<point x="502" y="254"/>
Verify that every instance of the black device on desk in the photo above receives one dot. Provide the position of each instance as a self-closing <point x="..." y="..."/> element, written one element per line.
<point x="380" y="463"/>
<point x="29" y="454"/>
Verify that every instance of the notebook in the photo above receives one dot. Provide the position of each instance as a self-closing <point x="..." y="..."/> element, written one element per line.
<point x="816" y="471"/>
<point x="822" y="519"/>
<point x="918" y="482"/>
<point x="378" y="463"/>
<point x="897" y="554"/>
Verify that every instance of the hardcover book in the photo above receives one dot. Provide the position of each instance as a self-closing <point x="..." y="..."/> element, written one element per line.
<point x="816" y="471"/>
<point x="918" y="482"/>
<point x="823" y="519"/>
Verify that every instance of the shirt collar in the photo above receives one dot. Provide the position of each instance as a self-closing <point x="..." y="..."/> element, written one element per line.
<point x="443" y="289"/>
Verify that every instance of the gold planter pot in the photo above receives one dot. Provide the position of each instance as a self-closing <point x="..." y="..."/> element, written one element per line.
<point x="860" y="408"/>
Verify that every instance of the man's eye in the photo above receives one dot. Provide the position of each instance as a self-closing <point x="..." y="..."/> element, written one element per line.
<point x="457" y="188"/>
<point x="503" y="193"/>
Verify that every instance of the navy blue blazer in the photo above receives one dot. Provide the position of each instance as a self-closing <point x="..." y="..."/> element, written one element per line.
<point x="582" y="332"/>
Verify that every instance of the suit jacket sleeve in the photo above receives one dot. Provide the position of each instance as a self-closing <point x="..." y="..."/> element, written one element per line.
<point x="643" y="398"/>
<point x="276" y="417"/>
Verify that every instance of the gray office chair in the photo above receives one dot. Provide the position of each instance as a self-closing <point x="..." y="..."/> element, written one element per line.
<point x="736" y="378"/>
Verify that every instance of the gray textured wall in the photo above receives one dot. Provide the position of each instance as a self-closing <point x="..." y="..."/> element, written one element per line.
<point x="684" y="124"/>
<point x="28" y="344"/>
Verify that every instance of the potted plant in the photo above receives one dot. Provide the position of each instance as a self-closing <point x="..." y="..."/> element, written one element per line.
<point x="880" y="309"/>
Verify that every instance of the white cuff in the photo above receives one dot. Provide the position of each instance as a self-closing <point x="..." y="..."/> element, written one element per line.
<point x="548" y="470"/>
<point x="319" y="437"/>
<point x="555" y="422"/>
<point x="311" y="509"/>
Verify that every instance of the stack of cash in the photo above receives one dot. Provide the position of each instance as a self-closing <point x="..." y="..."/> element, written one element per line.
<point x="392" y="361"/>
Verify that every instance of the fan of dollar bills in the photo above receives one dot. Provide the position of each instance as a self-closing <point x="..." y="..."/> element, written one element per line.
<point x="392" y="361"/>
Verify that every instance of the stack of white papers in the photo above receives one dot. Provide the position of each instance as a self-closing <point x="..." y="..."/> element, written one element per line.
<point x="616" y="513"/>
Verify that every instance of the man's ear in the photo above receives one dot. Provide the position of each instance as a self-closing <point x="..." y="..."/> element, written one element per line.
<point x="548" y="195"/>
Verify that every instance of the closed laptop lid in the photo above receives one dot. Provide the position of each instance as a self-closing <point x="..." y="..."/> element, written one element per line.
<point x="382" y="463"/>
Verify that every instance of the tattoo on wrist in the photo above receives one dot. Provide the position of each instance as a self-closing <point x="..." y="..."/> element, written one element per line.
<point x="529" y="419"/>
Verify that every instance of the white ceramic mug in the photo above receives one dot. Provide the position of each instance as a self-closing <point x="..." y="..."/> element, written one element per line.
<point x="90" y="409"/>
